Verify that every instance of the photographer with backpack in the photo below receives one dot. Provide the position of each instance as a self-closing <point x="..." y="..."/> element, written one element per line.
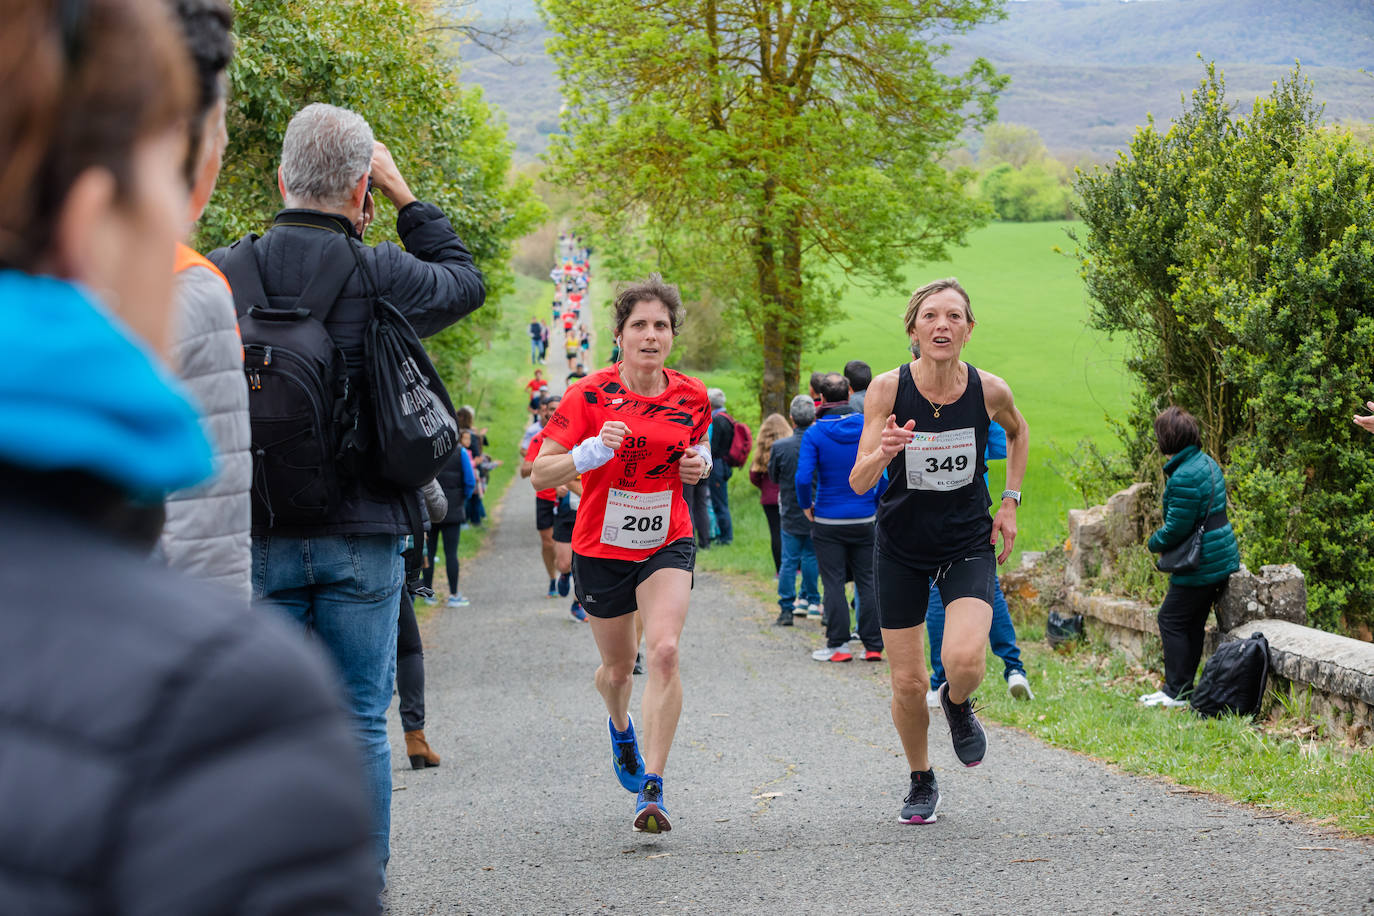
<point x="321" y="313"/>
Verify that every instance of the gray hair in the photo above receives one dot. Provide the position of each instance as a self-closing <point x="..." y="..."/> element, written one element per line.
<point x="803" y="411"/>
<point x="325" y="151"/>
<point x="717" y="398"/>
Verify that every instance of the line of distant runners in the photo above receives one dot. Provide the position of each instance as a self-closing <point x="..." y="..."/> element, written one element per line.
<point x="635" y="432"/>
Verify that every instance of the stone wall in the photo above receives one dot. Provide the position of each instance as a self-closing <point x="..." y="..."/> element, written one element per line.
<point x="1338" y="670"/>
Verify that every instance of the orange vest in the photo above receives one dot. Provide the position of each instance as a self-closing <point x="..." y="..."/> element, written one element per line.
<point x="189" y="257"/>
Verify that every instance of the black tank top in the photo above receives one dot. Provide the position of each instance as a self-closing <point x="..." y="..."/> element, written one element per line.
<point x="938" y="512"/>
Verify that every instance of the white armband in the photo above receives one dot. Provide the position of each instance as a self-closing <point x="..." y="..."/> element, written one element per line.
<point x="704" y="453"/>
<point x="590" y="454"/>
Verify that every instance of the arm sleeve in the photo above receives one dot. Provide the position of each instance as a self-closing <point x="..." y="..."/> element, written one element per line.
<point x="806" y="468"/>
<point x="1182" y="509"/>
<point x="434" y="281"/>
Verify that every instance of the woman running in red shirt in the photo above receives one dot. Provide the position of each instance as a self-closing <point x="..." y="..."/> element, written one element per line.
<point x="636" y="432"/>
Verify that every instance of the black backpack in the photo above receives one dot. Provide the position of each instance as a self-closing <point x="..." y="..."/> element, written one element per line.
<point x="1234" y="678"/>
<point x="298" y="399"/>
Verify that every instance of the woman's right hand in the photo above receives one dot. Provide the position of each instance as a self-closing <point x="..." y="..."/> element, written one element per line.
<point x="895" y="438"/>
<point x="613" y="433"/>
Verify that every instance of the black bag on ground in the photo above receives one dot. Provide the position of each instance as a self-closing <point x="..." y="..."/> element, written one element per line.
<point x="298" y="398"/>
<point x="1234" y="679"/>
<point x="1061" y="628"/>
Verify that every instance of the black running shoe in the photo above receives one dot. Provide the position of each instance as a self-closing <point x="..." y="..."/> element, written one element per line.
<point x="970" y="741"/>
<point x="922" y="801"/>
<point x="639" y="663"/>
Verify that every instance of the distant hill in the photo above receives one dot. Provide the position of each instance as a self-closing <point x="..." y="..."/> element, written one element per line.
<point x="1084" y="73"/>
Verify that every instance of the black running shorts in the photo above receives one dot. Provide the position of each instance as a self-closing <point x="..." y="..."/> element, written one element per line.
<point x="904" y="591"/>
<point x="543" y="514"/>
<point x="563" y="523"/>
<point x="606" y="588"/>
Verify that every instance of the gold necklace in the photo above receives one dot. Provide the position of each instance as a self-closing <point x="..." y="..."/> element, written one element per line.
<point x="935" y="407"/>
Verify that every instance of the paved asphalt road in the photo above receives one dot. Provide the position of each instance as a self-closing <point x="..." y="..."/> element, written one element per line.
<point x="784" y="784"/>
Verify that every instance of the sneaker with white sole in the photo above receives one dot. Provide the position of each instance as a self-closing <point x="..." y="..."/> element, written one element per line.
<point x="933" y="698"/>
<point x="813" y="609"/>
<point x="833" y="654"/>
<point x="1161" y="698"/>
<point x="922" y="801"/>
<point x="1018" y="686"/>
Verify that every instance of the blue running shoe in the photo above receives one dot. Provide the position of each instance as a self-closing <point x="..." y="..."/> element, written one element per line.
<point x="651" y="815"/>
<point x="564" y="584"/>
<point x="625" y="759"/>
<point x="577" y="611"/>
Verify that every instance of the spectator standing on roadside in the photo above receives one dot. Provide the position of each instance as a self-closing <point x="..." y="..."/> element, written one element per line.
<point x="842" y="521"/>
<point x="410" y="649"/>
<point x="165" y="749"/>
<point x="207" y="530"/>
<point x="798" y="555"/>
<point x="722" y="433"/>
<point x="340" y="576"/>
<point x="773" y="428"/>
<point x="536" y="340"/>
<point x="858" y="374"/>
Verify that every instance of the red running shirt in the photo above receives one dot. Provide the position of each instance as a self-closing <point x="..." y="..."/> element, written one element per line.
<point x="551" y="494"/>
<point x="661" y="429"/>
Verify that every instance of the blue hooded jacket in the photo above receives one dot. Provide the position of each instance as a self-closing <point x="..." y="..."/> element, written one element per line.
<point x="78" y="393"/>
<point x="827" y="454"/>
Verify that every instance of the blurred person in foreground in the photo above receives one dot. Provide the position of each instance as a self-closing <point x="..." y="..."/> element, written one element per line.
<point x="154" y="761"/>
<point x="207" y="532"/>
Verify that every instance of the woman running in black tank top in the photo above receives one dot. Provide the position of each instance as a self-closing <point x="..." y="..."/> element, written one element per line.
<point x="926" y="425"/>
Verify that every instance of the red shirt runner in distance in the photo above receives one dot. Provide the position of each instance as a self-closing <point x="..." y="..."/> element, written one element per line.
<point x="551" y="494"/>
<point x="661" y="429"/>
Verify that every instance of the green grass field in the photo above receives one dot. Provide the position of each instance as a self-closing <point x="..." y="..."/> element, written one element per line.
<point x="1031" y="315"/>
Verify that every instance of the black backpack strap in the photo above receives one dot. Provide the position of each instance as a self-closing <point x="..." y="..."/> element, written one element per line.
<point x="336" y="266"/>
<point x="240" y="268"/>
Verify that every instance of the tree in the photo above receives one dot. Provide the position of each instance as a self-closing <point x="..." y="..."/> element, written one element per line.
<point x="1015" y="144"/>
<point x="760" y="149"/>
<point x="375" y="58"/>
<point x="1238" y="255"/>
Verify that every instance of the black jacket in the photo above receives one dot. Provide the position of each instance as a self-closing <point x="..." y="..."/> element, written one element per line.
<point x="782" y="470"/>
<point x="433" y="282"/>
<point x="161" y="751"/>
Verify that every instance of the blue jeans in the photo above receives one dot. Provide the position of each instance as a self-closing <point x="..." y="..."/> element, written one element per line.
<point x="536" y="350"/>
<point x="720" y="502"/>
<point x="1002" y="635"/>
<point x="797" y="554"/>
<point x="346" y="591"/>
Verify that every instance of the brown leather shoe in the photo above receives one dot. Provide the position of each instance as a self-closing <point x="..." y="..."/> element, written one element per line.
<point x="419" y="752"/>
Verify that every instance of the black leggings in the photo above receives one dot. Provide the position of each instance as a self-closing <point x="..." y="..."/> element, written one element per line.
<point x="451" y="534"/>
<point x="410" y="667"/>
<point x="774" y="535"/>
<point x="1182" y="628"/>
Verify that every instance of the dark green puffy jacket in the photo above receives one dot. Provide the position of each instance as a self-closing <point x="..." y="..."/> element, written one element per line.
<point x="1196" y="488"/>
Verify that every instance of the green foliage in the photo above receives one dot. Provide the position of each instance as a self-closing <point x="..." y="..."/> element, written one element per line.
<point x="1034" y="193"/>
<point x="1237" y="256"/>
<point x="749" y="147"/>
<point x="373" y="57"/>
